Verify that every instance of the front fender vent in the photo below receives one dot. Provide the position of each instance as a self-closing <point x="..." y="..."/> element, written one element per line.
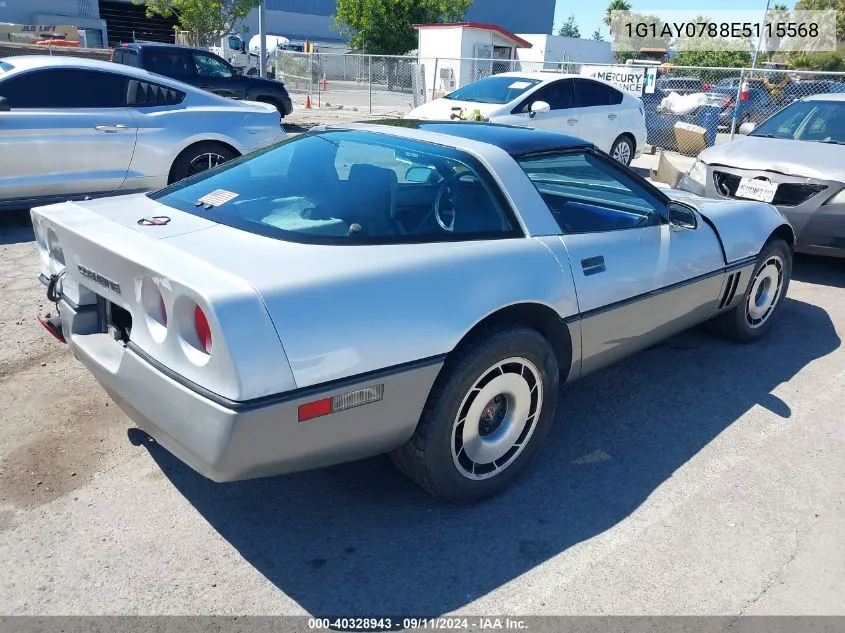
<point x="730" y="290"/>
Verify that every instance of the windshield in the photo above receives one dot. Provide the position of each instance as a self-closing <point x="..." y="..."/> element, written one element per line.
<point x="494" y="90"/>
<point x="819" y="121"/>
<point x="350" y="187"/>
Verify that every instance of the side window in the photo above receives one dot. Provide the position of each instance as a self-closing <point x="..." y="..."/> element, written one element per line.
<point x="559" y="95"/>
<point x="91" y="89"/>
<point x="590" y="94"/>
<point x="210" y="66"/>
<point x="588" y="194"/>
<point x="130" y="57"/>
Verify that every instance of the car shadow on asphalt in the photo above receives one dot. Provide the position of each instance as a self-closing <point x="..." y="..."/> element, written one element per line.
<point x="15" y="227"/>
<point x="360" y="539"/>
<point x="824" y="271"/>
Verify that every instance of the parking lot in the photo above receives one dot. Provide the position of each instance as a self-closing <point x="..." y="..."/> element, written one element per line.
<point x="698" y="477"/>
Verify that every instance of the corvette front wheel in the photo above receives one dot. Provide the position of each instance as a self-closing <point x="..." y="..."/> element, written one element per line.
<point x="486" y="416"/>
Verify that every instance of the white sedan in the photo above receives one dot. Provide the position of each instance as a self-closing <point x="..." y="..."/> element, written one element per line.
<point x="76" y="128"/>
<point x="591" y="109"/>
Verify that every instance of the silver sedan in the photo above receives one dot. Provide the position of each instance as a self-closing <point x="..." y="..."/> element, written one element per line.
<point x="76" y="128"/>
<point x="794" y="160"/>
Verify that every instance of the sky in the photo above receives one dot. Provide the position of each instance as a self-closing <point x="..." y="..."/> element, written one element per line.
<point x="590" y="13"/>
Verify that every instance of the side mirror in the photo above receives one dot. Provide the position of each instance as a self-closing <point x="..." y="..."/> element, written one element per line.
<point x="747" y="128"/>
<point x="4" y="105"/>
<point x="682" y="217"/>
<point x="419" y="174"/>
<point x="538" y="106"/>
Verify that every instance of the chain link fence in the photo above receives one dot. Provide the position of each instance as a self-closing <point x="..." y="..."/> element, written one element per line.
<point x="8" y="49"/>
<point x="686" y="108"/>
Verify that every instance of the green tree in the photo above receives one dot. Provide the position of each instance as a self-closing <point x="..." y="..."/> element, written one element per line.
<point x="569" y="28"/>
<point x="821" y="5"/>
<point x="615" y="5"/>
<point x="597" y="36"/>
<point x="631" y="45"/>
<point x="204" y="20"/>
<point x="386" y="27"/>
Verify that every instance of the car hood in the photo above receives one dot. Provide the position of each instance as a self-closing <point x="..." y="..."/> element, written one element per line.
<point x="261" y="82"/>
<point x="441" y="109"/>
<point x="805" y="159"/>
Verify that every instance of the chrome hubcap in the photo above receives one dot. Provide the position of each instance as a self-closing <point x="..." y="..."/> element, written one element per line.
<point x="622" y="152"/>
<point x="205" y="161"/>
<point x="497" y="418"/>
<point x="765" y="292"/>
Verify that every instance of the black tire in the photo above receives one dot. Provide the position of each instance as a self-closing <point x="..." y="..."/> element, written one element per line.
<point x="618" y="147"/>
<point x="739" y="324"/>
<point x="432" y="457"/>
<point x="188" y="163"/>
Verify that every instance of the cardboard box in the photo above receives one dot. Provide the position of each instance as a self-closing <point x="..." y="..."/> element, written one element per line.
<point x="691" y="139"/>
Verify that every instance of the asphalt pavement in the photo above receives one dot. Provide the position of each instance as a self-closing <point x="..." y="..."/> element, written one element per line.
<point x="697" y="477"/>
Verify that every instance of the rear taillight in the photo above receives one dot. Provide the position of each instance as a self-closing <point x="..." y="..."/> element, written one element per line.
<point x="203" y="330"/>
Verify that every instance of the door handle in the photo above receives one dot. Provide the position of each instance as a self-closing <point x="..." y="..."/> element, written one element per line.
<point x="611" y="116"/>
<point x="111" y="127"/>
<point x="572" y="121"/>
<point x="593" y="265"/>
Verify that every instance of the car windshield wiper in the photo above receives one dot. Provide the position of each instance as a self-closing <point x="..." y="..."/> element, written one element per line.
<point x="832" y="142"/>
<point x="765" y="136"/>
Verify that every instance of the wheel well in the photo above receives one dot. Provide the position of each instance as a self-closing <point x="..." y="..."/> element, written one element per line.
<point x="194" y="145"/>
<point x="786" y="233"/>
<point x="538" y="317"/>
<point x="631" y="138"/>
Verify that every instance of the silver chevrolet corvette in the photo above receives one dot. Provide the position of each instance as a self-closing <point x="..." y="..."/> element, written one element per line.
<point x="416" y="288"/>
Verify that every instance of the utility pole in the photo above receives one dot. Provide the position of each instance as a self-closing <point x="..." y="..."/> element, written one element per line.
<point x="262" y="38"/>
<point x="762" y="35"/>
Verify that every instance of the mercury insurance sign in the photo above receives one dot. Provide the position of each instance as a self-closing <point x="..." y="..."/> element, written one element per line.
<point x="627" y="78"/>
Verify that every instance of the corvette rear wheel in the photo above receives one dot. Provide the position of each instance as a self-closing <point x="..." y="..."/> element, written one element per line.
<point x="486" y="416"/>
<point x="754" y="315"/>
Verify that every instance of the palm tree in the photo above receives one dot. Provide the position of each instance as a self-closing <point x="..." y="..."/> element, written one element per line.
<point x="615" y="5"/>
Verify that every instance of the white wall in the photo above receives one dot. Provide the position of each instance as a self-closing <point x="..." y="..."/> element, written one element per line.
<point x="554" y="48"/>
<point x="439" y="48"/>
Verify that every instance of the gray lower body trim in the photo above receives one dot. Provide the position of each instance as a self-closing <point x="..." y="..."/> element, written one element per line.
<point x="230" y="443"/>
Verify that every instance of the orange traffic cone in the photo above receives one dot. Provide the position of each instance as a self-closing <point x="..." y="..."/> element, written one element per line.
<point x="325" y="81"/>
<point x="307" y="102"/>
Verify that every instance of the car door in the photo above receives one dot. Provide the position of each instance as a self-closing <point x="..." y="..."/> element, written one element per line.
<point x="562" y="115"/>
<point x="637" y="279"/>
<point x="598" y="112"/>
<point x="217" y="76"/>
<point x="68" y="132"/>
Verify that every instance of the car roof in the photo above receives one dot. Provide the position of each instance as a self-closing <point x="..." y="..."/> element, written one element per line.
<point x="541" y="75"/>
<point x="154" y="45"/>
<point x="515" y="140"/>
<point x="830" y="96"/>
<point x="24" y="63"/>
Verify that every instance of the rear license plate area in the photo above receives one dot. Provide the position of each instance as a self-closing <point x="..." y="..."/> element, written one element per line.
<point x="115" y="321"/>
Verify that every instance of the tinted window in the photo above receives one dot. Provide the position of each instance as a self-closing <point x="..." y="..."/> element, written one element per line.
<point x="168" y="62"/>
<point x="211" y="66"/>
<point x="592" y="93"/>
<point x="130" y="57"/>
<point x="587" y="194"/>
<point x="494" y="90"/>
<point x="821" y="121"/>
<point x="352" y="187"/>
<point x="4" y="67"/>
<point x="40" y="89"/>
<point x="559" y="95"/>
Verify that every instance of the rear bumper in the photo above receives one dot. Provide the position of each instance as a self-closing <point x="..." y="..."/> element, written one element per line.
<point x="229" y="441"/>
